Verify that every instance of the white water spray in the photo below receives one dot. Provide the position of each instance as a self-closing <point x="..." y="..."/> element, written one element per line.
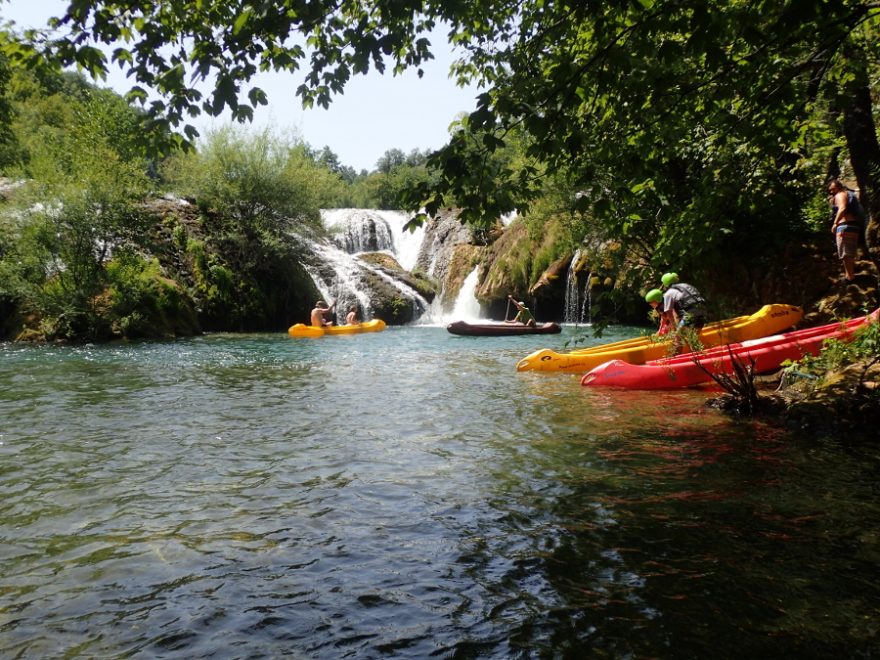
<point x="340" y="276"/>
<point x="572" y="295"/>
<point x="467" y="307"/>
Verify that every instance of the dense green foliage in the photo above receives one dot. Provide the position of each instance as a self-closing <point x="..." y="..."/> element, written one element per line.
<point x="89" y="250"/>
<point x="863" y="348"/>
<point x="684" y="129"/>
<point x="260" y="183"/>
<point x="253" y="192"/>
<point x="656" y="134"/>
<point x="86" y="179"/>
<point x="79" y="237"/>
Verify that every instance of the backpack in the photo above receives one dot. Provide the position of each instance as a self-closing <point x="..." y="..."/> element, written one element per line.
<point x="853" y="203"/>
<point x="691" y="298"/>
<point x="855" y="207"/>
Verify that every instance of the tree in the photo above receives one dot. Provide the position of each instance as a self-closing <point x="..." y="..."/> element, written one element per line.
<point x="389" y="160"/>
<point x="86" y="208"/>
<point x="8" y="146"/>
<point x="632" y="100"/>
<point x="255" y="179"/>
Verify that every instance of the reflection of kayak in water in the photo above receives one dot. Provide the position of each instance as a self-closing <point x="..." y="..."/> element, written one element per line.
<point x="302" y="330"/>
<point x="501" y="329"/>
<point x="768" y="320"/>
<point x="767" y="354"/>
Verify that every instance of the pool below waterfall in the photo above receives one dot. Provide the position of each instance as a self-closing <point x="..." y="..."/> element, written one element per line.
<point x="408" y="493"/>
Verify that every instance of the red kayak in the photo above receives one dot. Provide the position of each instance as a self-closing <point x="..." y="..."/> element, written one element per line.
<point x="501" y="329"/>
<point x="687" y="370"/>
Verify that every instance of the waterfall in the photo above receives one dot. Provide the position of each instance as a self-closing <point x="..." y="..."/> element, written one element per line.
<point x="407" y="244"/>
<point x="587" y="312"/>
<point x="467" y="307"/>
<point x="573" y="313"/>
<point x="358" y="230"/>
<point x="342" y="284"/>
<point x="344" y="280"/>
<point x="368" y="230"/>
<point x="340" y="276"/>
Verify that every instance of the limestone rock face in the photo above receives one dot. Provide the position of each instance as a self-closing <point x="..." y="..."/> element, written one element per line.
<point x="442" y="236"/>
<point x="387" y="302"/>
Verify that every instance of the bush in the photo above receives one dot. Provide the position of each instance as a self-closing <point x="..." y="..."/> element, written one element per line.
<point x="144" y="303"/>
<point x="864" y="347"/>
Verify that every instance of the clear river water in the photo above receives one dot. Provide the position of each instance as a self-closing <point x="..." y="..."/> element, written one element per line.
<point x="409" y="494"/>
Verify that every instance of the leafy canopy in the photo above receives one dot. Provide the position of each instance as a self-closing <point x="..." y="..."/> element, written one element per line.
<point x="658" y="112"/>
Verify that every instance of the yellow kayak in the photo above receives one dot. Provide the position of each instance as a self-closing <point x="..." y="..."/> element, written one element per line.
<point x="768" y="320"/>
<point x="313" y="331"/>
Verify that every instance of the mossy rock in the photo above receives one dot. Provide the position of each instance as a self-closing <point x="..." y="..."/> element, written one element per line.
<point x="846" y="401"/>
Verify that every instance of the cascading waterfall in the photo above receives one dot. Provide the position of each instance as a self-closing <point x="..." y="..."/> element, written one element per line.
<point x="587" y="311"/>
<point x="573" y="311"/>
<point x="368" y="230"/>
<point x="467" y="307"/>
<point x="343" y="287"/>
<point x="341" y="277"/>
<point x="358" y="230"/>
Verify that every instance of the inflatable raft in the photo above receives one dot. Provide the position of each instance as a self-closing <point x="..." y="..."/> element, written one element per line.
<point x="501" y="329"/>
<point x="768" y="320"/>
<point x="767" y="354"/>
<point x="313" y="331"/>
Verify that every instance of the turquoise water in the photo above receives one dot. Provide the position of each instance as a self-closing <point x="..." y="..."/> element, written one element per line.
<point x="409" y="494"/>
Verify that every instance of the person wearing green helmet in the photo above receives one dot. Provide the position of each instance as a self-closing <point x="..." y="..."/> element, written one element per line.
<point x="654" y="298"/>
<point x="669" y="279"/>
<point x="681" y="305"/>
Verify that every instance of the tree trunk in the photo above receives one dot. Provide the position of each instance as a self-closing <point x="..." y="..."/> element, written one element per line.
<point x="864" y="148"/>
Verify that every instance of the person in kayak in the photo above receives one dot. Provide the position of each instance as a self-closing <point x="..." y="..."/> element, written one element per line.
<point x="524" y="315"/>
<point x="352" y="317"/>
<point x="319" y="314"/>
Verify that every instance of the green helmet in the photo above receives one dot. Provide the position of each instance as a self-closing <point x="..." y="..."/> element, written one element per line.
<point x="654" y="296"/>
<point x="669" y="279"/>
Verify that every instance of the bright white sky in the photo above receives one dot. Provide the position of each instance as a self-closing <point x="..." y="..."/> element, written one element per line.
<point x="375" y="113"/>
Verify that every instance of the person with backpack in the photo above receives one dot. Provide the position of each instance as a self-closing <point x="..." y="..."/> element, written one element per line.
<point x="680" y="306"/>
<point x="847" y="225"/>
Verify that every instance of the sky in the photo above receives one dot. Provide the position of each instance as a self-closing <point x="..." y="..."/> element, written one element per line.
<point x="375" y="113"/>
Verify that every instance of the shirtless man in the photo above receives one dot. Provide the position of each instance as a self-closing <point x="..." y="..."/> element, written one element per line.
<point x="318" y="314"/>
<point x="847" y="223"/>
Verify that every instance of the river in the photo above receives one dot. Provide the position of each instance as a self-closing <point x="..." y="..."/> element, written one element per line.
<point x="409" y="494"/>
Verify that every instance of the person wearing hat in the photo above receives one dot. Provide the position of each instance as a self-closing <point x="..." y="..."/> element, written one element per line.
<point x="319" y="313"/>
<point x="524" y="315"/>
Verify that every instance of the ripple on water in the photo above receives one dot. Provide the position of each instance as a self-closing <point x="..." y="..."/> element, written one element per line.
<point x="409" y="494"/>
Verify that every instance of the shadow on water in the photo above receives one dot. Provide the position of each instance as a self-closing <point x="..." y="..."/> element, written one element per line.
<point x="737" y="543"/>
